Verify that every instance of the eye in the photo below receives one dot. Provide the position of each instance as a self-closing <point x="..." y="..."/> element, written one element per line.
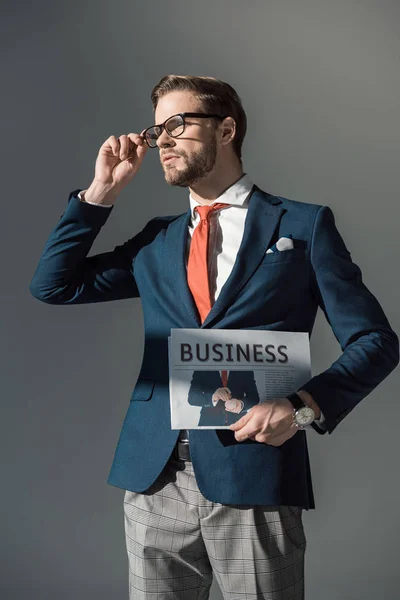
<point x="174" y="125"/>
<point x="154" y="133"/>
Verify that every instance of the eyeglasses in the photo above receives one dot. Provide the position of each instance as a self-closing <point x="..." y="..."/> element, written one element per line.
<point x="174" y="126"/>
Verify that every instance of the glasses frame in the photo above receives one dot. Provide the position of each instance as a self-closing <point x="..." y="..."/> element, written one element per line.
<point x="183" y="115"/>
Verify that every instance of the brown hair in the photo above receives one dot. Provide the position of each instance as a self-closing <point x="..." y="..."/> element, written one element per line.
<point x="216" y="96"/>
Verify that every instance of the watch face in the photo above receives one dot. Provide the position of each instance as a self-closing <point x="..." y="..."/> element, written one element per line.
<point x="305" y="416"/>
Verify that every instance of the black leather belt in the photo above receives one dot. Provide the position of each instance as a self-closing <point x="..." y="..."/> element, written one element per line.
<point x="182" y="451"/>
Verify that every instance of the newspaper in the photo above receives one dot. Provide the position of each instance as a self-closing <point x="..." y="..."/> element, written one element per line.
<point x="217" y="375"/>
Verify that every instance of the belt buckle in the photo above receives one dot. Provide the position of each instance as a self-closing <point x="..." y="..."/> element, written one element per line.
<point x="182" y="451"/>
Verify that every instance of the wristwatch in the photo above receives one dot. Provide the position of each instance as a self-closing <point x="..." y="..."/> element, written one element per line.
<point x="303" y="414"/>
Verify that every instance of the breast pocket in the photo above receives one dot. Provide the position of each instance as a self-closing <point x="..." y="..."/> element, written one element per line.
<point x="283" y="256"/>
<point x="143" y="389"/>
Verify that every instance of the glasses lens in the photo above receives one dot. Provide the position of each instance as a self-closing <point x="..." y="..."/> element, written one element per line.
<point x="175" y="125"/>
<point x="152" y="135"/>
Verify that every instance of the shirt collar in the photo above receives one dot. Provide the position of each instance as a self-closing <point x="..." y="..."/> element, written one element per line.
<point x="236" y="194"/>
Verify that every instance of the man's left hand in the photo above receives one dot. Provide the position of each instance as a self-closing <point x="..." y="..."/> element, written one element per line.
<point x="270" y="422"/>
<point x="234" y="405"/>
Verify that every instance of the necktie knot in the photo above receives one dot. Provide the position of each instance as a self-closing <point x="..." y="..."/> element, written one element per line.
<point x="205" y="209"/>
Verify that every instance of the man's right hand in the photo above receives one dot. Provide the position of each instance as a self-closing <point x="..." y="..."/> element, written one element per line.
<point x="117" y="163"/>
<point x="222" y="393"/>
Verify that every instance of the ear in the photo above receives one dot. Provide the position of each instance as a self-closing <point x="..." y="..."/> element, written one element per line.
<point x="228" y="130"/>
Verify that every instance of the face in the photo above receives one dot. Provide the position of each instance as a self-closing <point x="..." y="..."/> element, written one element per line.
<point x="196" y="147"/>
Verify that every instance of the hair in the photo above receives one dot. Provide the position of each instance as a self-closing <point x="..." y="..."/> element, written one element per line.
<point x="216" y="96"/>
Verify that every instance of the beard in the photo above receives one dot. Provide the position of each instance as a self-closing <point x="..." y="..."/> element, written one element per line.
<point x="198" y="165"/>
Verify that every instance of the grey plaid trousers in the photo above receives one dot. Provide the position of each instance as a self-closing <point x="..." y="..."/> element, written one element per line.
<point x="176" y="540"/>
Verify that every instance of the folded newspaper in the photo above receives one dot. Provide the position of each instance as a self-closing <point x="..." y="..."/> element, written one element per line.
<point x="217" y="375"/>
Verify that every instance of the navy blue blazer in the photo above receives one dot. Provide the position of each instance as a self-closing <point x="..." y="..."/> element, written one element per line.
<point x="242" y="386"/>
<point x="275" y="291"/>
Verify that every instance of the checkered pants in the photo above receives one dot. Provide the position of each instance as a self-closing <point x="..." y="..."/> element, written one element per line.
<point x="176" y="540"/>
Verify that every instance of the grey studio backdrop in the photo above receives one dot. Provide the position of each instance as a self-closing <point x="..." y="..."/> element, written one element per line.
<point x="320" y="83"/>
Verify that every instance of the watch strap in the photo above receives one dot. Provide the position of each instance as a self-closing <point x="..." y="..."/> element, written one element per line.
<point x="297" y="402"/>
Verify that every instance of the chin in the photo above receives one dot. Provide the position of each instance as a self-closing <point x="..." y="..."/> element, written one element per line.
<point x="173" y="173"/>
<point x="177" y="181"/>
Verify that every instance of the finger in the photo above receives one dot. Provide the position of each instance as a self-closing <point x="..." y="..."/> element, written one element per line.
<point x="242" y="421"/>
<point x="114" y="144"/>
<point x="247" y="431"/>
<point x="124" y="146"/>
<point x="136" y="139"/>
<point x="248" y="434"/>
<point x="235" y="406"/>
<point x="139" y="145"/>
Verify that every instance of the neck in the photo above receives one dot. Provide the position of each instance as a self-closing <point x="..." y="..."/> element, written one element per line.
<point x="210" y="188"/>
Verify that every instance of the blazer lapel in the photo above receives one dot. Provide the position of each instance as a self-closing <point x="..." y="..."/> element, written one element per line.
<point x="262" y="219"/>
<point x="176" y="243"/>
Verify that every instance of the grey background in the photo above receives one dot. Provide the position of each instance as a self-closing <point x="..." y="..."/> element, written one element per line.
<point x="320" y="83"/>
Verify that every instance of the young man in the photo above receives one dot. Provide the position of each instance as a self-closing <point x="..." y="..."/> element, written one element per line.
<point x="222" y="501"/>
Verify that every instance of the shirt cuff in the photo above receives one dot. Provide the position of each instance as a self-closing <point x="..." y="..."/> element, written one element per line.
<point x="319" y="422"/>
<point x="82" y="199"/>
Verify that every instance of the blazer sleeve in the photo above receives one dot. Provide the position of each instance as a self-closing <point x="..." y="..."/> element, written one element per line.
<point x="65" y="275"/>
<point x="370" y="346"/>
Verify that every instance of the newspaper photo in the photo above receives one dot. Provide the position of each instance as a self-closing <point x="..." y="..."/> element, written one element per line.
<point x="217" y="375"/>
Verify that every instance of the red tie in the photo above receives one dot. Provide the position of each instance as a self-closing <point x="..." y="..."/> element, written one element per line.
<point x="224" y="377"/>
<point x="197" y="270"/>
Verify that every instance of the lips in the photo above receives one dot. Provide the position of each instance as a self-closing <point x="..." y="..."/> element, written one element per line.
<point x="170" y="157"/>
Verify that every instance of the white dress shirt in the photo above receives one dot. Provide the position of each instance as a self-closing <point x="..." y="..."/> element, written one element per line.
<point x="226" y="232"/>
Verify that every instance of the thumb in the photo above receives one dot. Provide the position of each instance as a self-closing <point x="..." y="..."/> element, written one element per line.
<point x="141" y="151"/>
<point x="241" y="422"/>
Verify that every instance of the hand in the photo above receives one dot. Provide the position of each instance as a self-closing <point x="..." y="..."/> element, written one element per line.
<point x="234" y="405"/>
<point x="269" y="422"/>
<point x="222" y="393"/>
<point x="117" y="163"/>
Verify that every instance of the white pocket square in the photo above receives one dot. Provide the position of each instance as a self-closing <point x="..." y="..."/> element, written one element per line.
<point x="284" y="243"/>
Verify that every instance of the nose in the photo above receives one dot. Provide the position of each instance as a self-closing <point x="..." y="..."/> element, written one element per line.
<point x="165" y="140"/>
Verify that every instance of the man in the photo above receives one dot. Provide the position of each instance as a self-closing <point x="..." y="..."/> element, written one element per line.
<point x="222" y="404"/>
<point x="230" y="502"/>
